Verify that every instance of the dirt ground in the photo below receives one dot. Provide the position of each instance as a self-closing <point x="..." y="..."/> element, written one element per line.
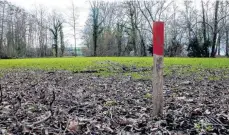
<point x="41" y="102"/>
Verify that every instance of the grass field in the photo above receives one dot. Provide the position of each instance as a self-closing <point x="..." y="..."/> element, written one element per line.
<point x="104" y="64"/>
<point x="83" y="63"/>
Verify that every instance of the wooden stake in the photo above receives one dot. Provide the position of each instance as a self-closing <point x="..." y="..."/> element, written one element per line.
<point x="158" y="50"/>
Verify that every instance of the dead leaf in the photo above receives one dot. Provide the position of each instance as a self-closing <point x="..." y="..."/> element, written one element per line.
<point x="73" y="126"/>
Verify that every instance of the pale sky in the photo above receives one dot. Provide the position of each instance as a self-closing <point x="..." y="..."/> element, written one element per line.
<point x="62" y="6"/>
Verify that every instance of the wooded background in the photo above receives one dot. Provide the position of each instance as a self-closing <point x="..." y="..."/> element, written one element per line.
<point x="195" y="29"/>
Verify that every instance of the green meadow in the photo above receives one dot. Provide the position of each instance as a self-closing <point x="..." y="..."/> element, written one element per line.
<point x="82" y="63"/>
<point x="104" y="64"/>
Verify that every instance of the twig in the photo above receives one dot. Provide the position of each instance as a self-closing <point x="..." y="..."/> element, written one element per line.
<point x="52" y="101"/>
<point x="111" y="113"/>
<point x="19" y="100"/>
<point x="0" y="93"/>
<point x="66" y="128"/>
<point x="40" y="121"/>
<point x="216" y="122"/>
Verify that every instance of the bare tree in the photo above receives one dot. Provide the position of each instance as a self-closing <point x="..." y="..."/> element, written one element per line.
<point x="226" y="28"/>
<point x="56" y="27"/>
<point x="97" y="20"/>
<point x="131" y="30"/>
<point x="132" y="15"/>
<point x="227" y="45"/>
<point x="204" y="21"/>
<point x="131" y="27"/>
<point x="22" y="33"/>
<point x="120" y="23"/>
<point x="73" y="22"/>
<point x="3" y="5"/>
<point x="119" y="35"/>
<point x="41" y="22"/>
<point x="215" y="29"/>
<point x="62" y="46"/>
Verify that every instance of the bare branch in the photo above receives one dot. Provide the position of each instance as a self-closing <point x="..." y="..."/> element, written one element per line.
<point x="148" y="11"/>
<point x="139" y="6"/>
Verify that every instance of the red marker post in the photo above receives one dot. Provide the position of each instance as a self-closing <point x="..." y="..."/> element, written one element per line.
<point x="158" y="52"/>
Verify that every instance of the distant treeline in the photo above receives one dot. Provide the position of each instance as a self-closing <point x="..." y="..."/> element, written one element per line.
<point x="125" y="28"/>
<point x="117" y="29"/>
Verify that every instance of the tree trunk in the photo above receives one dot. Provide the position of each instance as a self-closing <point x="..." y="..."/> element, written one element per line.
<point x="74" y="26"/>
<point x="227" y="46"/>
<point x="95" y="29"/>
<point x="213" y="52"/>
<point x="56" y="46"/>
<point x="62" y="41"/>
<point x="119" y="38"/>
<point x="57" y="24"/>
<point x="95" y="42"/>
<point x="46" y="43"/>
<point x="75" y="44"/>
<point x="204" y="22"/>
<point x="2" y="32"/>
<point x="56" y="42"/>
<point x="119" y="47"/>
<point x="133" y="27"/>
<point x="218" y="44"/>
<point x="143" y="47"/>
